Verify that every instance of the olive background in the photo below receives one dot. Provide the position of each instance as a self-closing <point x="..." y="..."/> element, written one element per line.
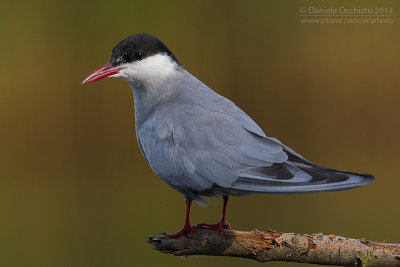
<point x="74" y="188"/>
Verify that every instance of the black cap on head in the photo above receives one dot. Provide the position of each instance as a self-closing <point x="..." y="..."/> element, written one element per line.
<point x="137" y="47"/>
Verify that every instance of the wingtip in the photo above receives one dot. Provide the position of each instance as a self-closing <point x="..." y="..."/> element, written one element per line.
<point x="369" y="178"/>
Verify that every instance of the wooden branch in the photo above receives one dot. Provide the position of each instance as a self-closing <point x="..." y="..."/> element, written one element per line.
<point x="275" y="246"/>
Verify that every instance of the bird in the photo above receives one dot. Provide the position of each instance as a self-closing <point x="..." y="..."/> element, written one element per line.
<point x="200" y="143"/>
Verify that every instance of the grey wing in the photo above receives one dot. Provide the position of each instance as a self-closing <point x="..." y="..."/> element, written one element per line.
<point x="197" y="149"/>
<point x="201" y="150"/>
<point x="220" y="147"/>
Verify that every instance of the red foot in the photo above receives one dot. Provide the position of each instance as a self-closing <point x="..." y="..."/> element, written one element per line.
<point x="186" y="227"/>
<point x="222" y="224"/>
<point x="184" y="230"/>
<point x="219" y="225"/>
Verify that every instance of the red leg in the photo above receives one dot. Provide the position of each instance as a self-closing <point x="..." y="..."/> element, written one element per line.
<point x="186" y="227"/>
<point x="222" y="224"/>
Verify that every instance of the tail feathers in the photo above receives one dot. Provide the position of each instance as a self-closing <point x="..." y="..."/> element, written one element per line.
<point x="298" y="176"/>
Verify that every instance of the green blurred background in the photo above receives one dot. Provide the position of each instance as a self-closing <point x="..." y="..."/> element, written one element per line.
<point x="74" y="188"/>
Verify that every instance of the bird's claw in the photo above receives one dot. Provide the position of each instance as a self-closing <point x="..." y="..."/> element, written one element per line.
<point x="187" y="228"/>
<point x="184" y="230"/>
<point x="219" y="225"/>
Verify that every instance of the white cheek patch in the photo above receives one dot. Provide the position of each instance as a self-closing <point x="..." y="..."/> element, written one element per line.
<point x="152" y="69"/>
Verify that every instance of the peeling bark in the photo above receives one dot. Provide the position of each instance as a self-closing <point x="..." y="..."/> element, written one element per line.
<point x="276" y="246"/>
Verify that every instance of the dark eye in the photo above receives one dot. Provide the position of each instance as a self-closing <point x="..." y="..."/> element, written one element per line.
<point x="139" y="56"/>
<point x="126" y="57"/>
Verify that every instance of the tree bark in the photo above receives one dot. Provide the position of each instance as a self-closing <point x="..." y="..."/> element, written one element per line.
<point x="275" y="246"/>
